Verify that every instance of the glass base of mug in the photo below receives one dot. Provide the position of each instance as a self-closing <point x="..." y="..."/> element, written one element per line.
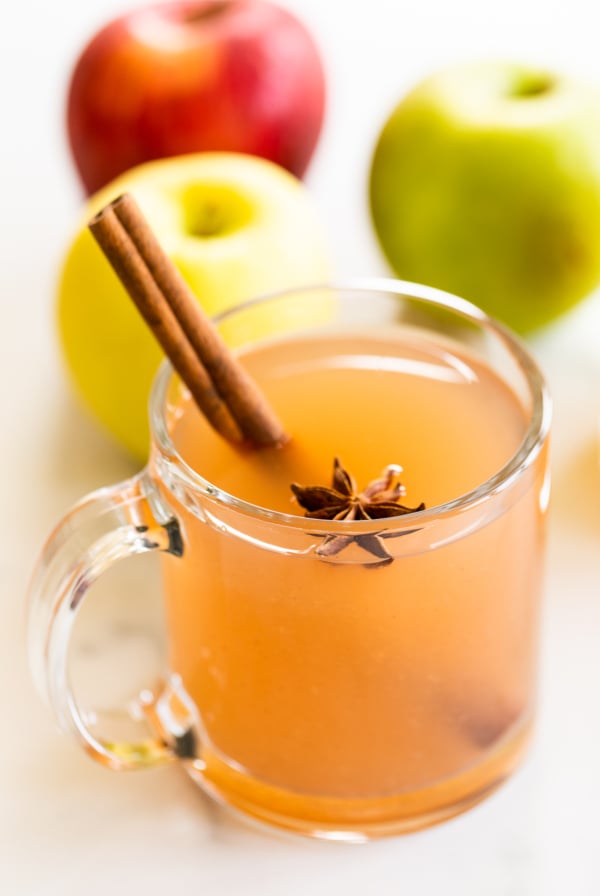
<point x="359" y="820"/>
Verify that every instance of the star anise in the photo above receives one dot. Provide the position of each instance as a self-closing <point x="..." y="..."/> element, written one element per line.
<point x="343" y="501"/>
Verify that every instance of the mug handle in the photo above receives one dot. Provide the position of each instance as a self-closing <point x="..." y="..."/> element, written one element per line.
<point x="108" y="525"/>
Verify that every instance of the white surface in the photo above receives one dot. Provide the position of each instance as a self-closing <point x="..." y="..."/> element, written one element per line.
<point x="66" y="825"/>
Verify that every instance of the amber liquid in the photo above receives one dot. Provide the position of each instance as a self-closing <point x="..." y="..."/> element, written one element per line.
<point x="334" y="695"/>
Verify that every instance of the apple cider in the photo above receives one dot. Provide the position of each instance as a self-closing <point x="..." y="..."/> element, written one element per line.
<point x="336" y="691"/>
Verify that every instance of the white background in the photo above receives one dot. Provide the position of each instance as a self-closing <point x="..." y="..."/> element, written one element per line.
<point x="68" y="826"/>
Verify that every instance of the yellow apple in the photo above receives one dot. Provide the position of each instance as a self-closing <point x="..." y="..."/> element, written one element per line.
<point x="236" y="226"/>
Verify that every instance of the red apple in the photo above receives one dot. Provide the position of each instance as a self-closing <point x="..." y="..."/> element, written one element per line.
<point x="194" y="75"/>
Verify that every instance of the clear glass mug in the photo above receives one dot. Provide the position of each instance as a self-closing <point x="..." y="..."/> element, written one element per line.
<point x="374" y="705"/>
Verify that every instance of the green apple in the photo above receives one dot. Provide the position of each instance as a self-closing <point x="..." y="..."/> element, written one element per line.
<point x="485" y="181"/>
<point x="236" y="226"/>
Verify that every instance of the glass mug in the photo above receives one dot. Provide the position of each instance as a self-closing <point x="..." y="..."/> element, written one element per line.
<point x="334" y="694"/>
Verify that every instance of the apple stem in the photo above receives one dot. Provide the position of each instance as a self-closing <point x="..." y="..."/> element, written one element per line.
<point x="211" y="10"/>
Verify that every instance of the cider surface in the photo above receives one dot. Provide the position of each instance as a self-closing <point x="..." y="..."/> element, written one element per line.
<point x="449" y="422"/>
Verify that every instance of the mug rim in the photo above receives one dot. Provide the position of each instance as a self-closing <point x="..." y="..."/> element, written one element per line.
<point x="528" y="450"/>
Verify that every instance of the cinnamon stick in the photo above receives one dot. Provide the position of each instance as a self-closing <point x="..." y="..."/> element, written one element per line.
<point x="224" y="392"/>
